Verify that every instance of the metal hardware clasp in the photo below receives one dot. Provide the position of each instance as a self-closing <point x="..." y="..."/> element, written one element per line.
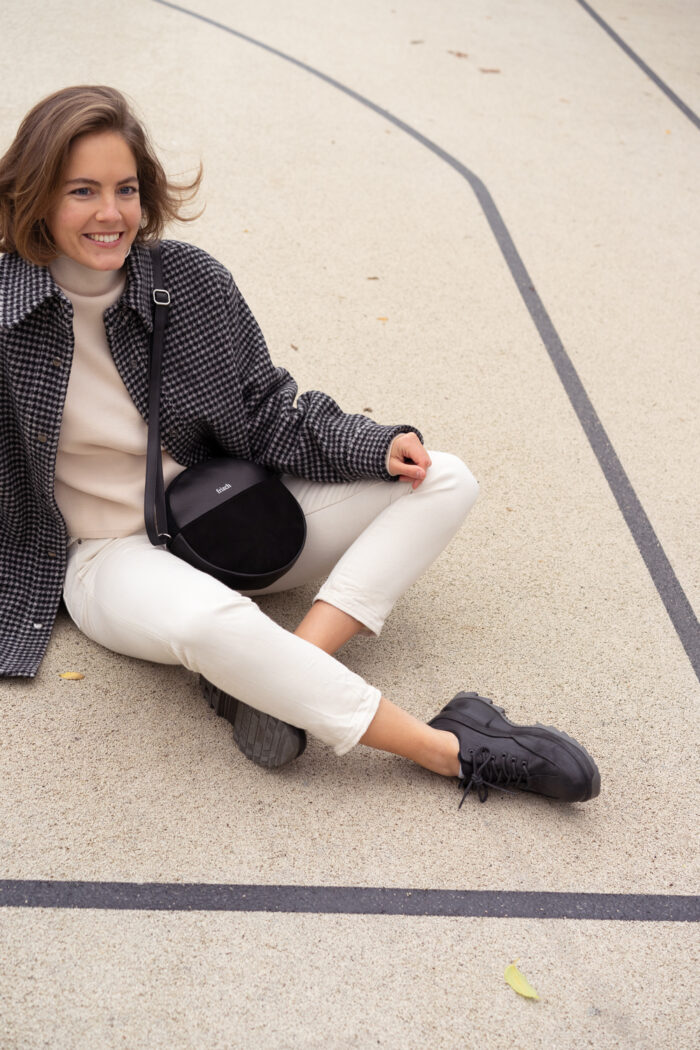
<point x="161" y="297"/>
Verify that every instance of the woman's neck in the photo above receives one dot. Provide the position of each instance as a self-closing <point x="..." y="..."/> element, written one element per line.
<point x="82" y="280"/>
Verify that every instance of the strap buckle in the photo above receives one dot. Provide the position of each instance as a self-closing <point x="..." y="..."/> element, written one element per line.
<point x="161" y="297"/>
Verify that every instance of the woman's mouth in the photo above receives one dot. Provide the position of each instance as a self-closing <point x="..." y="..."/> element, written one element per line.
<point x="104" y="238"/>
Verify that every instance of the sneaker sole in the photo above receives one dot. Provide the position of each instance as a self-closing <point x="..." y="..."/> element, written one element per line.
<point x="267" y="741"/>
<point x="575" y="749"/>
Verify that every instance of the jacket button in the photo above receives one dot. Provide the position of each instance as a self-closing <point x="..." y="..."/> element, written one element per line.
<point x="51" y="554"/>
<point x="42" y="439"/>
<point x="56" y="362"/>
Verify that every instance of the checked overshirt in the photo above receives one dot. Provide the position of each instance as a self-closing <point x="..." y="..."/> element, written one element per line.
<point x="220" y="394"/>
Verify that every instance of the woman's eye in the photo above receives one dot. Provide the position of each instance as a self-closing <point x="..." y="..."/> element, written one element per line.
<point x="128" y="191"/>
<point x="81" y="191"/>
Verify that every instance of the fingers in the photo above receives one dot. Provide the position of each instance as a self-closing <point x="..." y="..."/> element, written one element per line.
<point x="409" y="459"/>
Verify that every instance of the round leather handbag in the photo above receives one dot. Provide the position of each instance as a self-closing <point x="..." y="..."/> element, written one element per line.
<point x="235" y="520"/>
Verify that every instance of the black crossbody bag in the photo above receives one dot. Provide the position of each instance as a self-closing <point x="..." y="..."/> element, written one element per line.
<point x="228" y="517"/>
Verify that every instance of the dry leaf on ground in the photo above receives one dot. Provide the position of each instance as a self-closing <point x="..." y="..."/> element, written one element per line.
<point x="73" y="676"/>
<point x="518" y="982"/>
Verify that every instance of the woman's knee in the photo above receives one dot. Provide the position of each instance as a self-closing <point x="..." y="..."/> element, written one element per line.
<point x="450" y="475"/>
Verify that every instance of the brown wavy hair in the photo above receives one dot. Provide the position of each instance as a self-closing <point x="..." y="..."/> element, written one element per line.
<point x="30" y="171"/>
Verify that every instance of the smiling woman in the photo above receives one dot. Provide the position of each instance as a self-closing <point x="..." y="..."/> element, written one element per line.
<point x="81" y="196"/>
<point x="97" y="214"/>
<point x="46" y="153"/>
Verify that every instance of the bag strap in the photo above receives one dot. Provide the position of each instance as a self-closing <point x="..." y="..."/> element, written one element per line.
<point x="154" y="497"/>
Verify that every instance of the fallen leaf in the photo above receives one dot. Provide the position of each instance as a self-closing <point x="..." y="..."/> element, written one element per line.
<point x="366" y="409"/>
<point x="372" y="278"/>
<point x="518" y="982"/>
<point x="73" y="676"/>
<point x="458" y="54"/>
<point x="293" y="346"/>
<point x="383" y="319"/>
<point x="481" y="70"/>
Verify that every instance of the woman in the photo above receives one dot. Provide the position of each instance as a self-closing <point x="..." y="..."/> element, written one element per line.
<point x="81" y="195"/>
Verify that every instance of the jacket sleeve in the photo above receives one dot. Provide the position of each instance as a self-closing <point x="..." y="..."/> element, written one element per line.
<point x="313" y="438"/>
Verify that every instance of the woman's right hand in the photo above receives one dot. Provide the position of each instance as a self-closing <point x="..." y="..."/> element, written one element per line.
<point x="409" y="459"/>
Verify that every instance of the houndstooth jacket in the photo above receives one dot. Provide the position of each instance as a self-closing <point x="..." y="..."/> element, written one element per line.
<point x="220" y="393"/>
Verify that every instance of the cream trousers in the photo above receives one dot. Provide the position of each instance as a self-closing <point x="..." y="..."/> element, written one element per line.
<point x="370" y="538"/>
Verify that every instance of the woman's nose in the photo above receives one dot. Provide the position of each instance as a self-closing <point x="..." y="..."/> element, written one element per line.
<point x="108" y="209"/>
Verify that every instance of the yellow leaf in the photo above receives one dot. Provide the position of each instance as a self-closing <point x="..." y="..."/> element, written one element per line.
<point x="518" y="982"/>
<point x="383" y="319"/>
<point x="74" y="676"/>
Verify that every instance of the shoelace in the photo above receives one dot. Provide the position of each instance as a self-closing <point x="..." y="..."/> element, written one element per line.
<point x="492" y="771"/>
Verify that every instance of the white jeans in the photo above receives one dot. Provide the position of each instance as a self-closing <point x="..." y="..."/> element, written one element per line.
<point x="371" y="538"/>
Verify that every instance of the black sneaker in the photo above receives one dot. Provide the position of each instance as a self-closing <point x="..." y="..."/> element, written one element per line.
<point x="495" y="753"/>
<point x="265" y="740"/>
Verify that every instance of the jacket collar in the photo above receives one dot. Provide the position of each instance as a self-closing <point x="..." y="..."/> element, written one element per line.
<point x="24" y="287"/>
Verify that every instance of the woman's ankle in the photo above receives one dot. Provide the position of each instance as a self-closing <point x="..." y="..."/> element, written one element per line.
<point x="327" y="628"/>
<point x="442" y="755"/>
<point x="394" y="730"/>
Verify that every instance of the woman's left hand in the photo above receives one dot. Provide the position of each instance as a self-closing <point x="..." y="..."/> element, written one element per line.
<point x="409" y="459"/>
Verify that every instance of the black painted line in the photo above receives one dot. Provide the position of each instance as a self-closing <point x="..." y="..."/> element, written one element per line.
<point x="661" y="85"/>
<point x="347" y="900"/>
<point x="665" y="580"/>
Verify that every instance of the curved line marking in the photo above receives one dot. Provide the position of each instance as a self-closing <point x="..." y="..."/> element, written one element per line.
<point x="661" y="85"/>
<point x="665" y="580"/>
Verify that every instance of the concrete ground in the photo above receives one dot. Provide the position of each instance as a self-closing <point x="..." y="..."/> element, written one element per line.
<point x="483" y="219"/>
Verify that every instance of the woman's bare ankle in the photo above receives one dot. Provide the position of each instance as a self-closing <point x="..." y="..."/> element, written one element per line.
<point x="327" y="628"/>
<point x="444" y="757"/>
<point x="393" y="729"/>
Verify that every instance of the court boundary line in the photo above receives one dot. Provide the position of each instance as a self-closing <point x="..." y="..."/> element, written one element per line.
<point x="346" y="900"/>
<point x="654" y="77"/>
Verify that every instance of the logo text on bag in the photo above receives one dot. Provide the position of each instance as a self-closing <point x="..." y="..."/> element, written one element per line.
<point x="223" y="488"/>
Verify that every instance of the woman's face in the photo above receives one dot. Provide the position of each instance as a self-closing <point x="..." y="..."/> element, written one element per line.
<point x="97" y="212"/>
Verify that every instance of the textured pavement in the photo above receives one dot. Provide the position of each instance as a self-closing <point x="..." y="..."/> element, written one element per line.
<point x="482" y="219"/>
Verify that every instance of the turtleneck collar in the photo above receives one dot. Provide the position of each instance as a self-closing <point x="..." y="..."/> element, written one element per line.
<point x="77" y="279"/>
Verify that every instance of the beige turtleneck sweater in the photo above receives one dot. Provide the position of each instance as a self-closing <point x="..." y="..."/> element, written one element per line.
<point x="101" y="462"/>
